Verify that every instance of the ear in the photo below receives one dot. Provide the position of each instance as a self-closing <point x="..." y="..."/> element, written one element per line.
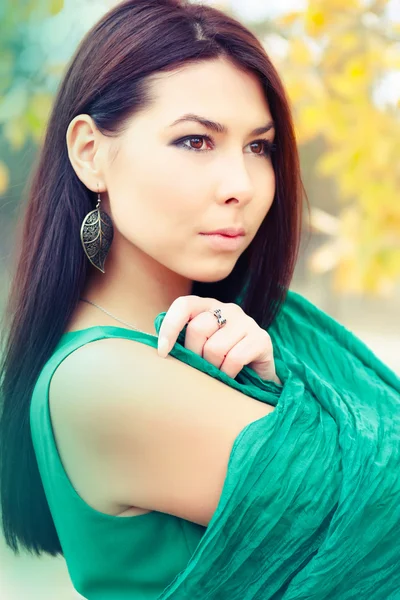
<point x="84" y="143"/>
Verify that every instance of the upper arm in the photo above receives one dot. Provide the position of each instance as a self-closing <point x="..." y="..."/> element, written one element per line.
<point x="158" y="430"/>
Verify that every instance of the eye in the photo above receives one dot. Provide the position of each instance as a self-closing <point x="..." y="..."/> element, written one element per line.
<point x="198" y="142"/>
<point x="195" y="143"/>
<point x="266" y="147"/>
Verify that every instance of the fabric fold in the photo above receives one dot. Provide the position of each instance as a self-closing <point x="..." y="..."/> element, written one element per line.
<point x="310" y="507"/>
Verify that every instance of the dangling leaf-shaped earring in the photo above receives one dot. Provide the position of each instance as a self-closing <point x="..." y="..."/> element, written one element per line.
<point x="97" y="233"/>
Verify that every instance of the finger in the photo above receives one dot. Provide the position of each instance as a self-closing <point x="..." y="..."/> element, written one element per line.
<point x="220" y="343"/>
<point x="244" y="352"/>
<point x="205" y="326"/>
<point x="202" y="327"/>
<point x="182" y="310"/>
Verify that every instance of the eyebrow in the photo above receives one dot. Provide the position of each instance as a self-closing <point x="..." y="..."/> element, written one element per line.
<point x="218" y="127"/>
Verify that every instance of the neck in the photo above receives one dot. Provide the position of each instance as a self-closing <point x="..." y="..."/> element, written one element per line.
<point x="135" y="291"/>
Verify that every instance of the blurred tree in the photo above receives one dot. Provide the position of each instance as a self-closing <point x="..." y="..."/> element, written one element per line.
<point x="25" y="100"/>
<point x="339" y="53"/>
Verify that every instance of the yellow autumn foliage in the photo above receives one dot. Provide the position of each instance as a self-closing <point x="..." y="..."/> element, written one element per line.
<point x="334" y="96"/>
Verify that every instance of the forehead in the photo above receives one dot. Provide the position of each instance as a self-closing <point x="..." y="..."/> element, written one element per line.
<point x="216" y="88"/>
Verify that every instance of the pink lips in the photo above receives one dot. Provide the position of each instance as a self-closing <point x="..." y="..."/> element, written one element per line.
<point x="228" y="231"/>
<point x="222" y="242"/>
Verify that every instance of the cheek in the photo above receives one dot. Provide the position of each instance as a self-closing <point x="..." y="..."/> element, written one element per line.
<point x="271" y="179"/>
<point x="157" y="176"/>
<point x="155" y="201"/>
<point x="266" y="187"/>
<point x="271" y="195"/>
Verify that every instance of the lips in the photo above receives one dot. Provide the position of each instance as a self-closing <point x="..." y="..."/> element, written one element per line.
<point x="223" y="243"/>
<point x="228" y="231"/>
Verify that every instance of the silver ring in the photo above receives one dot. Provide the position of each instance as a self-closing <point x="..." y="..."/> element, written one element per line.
<point x="217" y="314"/>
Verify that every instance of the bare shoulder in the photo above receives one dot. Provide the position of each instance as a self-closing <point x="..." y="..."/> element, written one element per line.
<point x="75" y="402"/>
<point x="158" y="429"/>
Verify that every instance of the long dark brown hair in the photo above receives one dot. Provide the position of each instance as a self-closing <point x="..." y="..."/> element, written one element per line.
<point x="106" y="79"/>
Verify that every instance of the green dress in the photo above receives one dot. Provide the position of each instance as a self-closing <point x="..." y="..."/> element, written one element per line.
<point x="108" y="557"/>
<point x="310" y="507"/>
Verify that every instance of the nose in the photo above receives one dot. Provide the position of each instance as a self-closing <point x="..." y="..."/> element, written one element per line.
<point x="235" y="181"/>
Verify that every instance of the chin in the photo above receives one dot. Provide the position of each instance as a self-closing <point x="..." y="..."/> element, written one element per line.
<point x="211" y="275"/>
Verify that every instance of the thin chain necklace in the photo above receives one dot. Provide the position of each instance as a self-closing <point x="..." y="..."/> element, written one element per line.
<point x="113" y="316"/>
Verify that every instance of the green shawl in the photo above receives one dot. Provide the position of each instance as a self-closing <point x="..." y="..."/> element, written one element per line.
<point x="310" y="507"/>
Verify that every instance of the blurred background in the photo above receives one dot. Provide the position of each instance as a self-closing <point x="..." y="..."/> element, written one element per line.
<point x="340" y="62"/>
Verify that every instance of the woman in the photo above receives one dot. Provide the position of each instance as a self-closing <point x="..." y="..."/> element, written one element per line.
<point x="155" y="479"/>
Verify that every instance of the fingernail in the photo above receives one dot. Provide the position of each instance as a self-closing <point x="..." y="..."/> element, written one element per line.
<point x="163" y="346"/>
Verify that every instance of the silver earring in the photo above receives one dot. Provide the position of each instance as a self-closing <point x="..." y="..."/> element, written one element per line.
<point x="97" y="233"/>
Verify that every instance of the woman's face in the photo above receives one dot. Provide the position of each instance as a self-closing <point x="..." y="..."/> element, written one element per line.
<point x="165" y="190"/>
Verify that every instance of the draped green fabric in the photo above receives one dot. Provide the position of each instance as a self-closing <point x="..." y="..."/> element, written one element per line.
<point x="310" y="507"/>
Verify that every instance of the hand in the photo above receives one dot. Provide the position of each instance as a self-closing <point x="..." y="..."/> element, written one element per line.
<point x="239" y="342"/>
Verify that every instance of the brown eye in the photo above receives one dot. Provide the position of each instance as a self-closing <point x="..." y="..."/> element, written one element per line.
<point x="196" y="143"/>
<point x="260" y="145"/>
<point x="266" y="147"/>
